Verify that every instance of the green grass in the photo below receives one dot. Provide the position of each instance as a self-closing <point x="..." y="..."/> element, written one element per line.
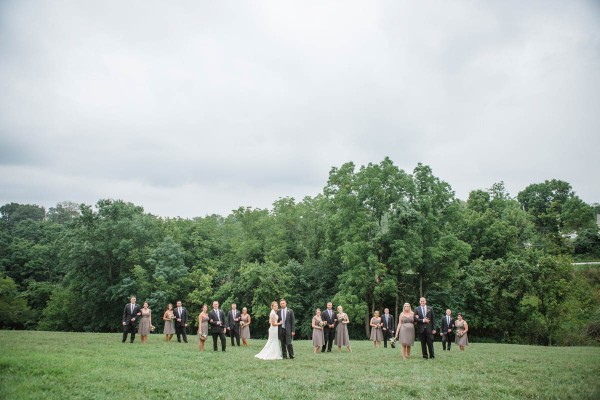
<point x="96" y="366"/>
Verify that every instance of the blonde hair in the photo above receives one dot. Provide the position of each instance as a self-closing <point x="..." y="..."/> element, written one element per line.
<point x="273" y="303"/>
<point x="376" y="313"/>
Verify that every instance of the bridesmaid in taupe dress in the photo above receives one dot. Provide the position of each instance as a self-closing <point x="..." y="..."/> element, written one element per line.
<point x="245" y="329"/>
<point x="145" y="324"/>
<point x="169" y="319"/>
<point x="341" y="333"/>
<point x="203" y="327"/>
<point x="376" y="332"/>
<point x="406" y="330"/>
<point x="317" y="334"/>
<point x="462" y="328"/>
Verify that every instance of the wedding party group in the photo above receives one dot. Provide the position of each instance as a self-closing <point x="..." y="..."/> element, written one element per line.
<point x="329" y="327"/>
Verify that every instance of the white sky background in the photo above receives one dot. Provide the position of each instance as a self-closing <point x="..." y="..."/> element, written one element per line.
<point x="199" y="107"/>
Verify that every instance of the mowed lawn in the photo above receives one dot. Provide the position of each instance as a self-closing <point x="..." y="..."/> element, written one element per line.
<point x="53" y="365"/>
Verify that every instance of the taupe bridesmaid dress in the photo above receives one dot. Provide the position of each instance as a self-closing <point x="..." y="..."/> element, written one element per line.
<point x="407" y="330"/>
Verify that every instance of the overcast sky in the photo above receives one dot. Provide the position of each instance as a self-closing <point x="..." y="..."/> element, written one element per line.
<point x="199" y="107"/>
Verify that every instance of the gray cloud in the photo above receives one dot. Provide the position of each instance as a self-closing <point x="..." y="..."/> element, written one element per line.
<point x="202" y="107"/>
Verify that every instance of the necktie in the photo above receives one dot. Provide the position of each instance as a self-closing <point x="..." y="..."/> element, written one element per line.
<point x="448" y="322"/>
<point x="233" y="314"/>
<point x="217" y="312"/>
<point x="132" y="309"/>
<point x="283" y="317"/>
<point x="423" y="311"/>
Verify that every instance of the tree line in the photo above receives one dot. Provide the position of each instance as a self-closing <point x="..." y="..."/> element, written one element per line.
<point x="375" y="237"/>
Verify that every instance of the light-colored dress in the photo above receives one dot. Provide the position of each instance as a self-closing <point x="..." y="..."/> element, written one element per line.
<point x="170" y="324"/>
<point x="144" y="328"/>
<point x="204" y="324"/>
<point x="341" y="332"/>
<point x="245" y="330"/>
<point x="272" y="350"/>
<point x="460" y="329"/>
<point x="407" y="330"/>
<point x="317" y="334"/>
<point x="376" y="332"/>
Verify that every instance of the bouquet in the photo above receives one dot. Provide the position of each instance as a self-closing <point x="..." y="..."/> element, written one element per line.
<point x="460" y="333"/>
<point x="152" y="327"/>
<point x="322" y="323"/>
<point x="203" y="336"/>
<point x="344" y="319"/>
<point x="393" y="342"/>
<point x="242" y="324"/>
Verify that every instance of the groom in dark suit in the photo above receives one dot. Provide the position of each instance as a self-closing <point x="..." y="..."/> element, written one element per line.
<point x="287" y="329"/>
<point x="130" y="316"/>
<point x="216" y="319"/>
<point x="180" y="321"/>
<point x="447" y="329"/>
<point x="425" y="327"/>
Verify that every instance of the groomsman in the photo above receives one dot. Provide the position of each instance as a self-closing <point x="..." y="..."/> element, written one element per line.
<point x="216" y="319"/>
<point x="330" y="317"/>
<point x="287" y="329"/>
<point x="233" y="324"/>
<point x="180" y="321"/>
<point x="425" y="327"/>
<point x="130" y="316"/>
<point x="388" y="326"/>
<point x="446" y="330"/>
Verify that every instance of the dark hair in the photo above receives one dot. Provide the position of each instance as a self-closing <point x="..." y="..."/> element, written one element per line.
<point x="459" y="314"/>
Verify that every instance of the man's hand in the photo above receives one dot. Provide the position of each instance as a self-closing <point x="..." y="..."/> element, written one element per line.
<point x="293" y="333"/>
<point x="433" y="332"/>
<point x="124" y="323"/>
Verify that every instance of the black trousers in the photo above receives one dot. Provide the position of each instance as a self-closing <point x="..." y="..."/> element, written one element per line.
<point x="448" y="337"/>
<point x="286" y="343"/>
<point x="387" y="334"/>
<point x="180" y="330"/>
<point x="235" y="334"/>
<point x="221" y="335"/>
<point x="426" y="343"/>
<point x="328" y="336"/>
<point x="129" y="328"/>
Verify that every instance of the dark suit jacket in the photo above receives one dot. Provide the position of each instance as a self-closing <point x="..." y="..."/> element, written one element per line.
<point x="389" y="325"/>
<point x="127" y="314"/>
<point x="330" y="320"/>
<point x="183" y="316"/>
<point x="290" y="322"/>
<point x="419" y="316"/>
<point x="212" y="320"/>
<point x="231" y="323"/>
<point x="445" y="326"/>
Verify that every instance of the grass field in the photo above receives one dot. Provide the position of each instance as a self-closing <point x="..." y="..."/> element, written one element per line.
<point x="53" y="365"/>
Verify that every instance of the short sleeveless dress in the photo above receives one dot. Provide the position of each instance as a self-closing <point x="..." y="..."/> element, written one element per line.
<point x="341" y="332"/>
<point x="407" y="330"/>
<point x="170" y="324"/>
<point x="460" y="329"/>
<point x="144" y="328"/>
<point x="317" y="334"/>
<point x="245" y="330"/>
<point x="204" y="324"/>
<point x="376" y="333"/>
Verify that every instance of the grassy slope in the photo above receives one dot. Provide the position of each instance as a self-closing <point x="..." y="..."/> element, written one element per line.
<point x="78" y="365"/>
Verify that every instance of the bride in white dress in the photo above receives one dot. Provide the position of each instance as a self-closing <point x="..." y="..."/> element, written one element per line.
<point x="272" y="350"/>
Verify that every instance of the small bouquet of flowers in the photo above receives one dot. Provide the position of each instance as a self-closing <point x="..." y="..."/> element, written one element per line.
<point x="322" y="323"/>
<point x="152" y="327"/>
<point x="344" y="319"/>
<point x="393" y="342"/>
<point x="242" y="324"/>
<point x="202" y="336"/>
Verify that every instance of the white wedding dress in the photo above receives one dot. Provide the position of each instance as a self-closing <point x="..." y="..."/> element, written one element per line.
<point x="272" y="350"/>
